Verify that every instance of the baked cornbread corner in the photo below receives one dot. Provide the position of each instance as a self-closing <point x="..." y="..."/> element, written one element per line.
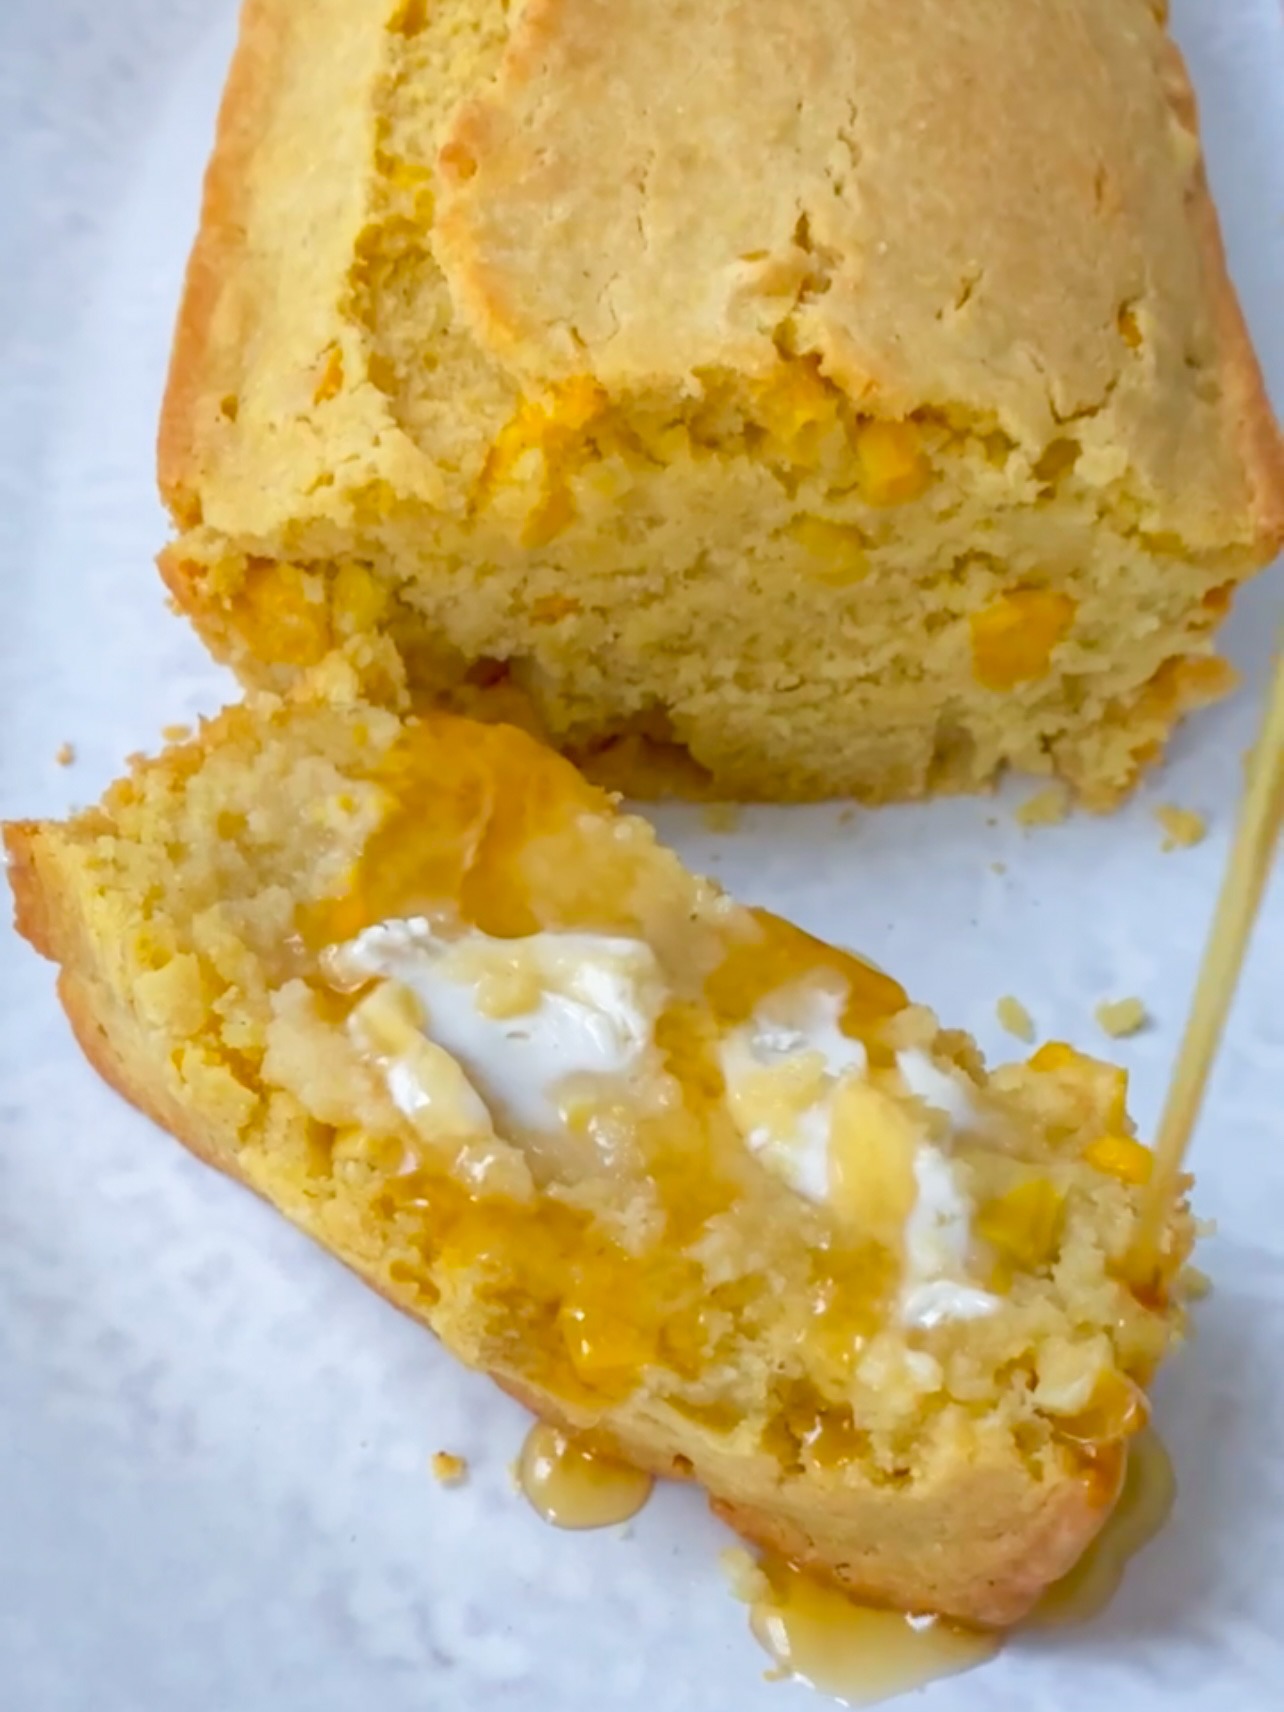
<point x="677" y="1175"/>
<point x="855" y="404"/>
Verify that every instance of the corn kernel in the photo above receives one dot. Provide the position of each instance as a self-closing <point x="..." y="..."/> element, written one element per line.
<point x="797" y="407"/>
<point x="553" y="513"/>
<point x="549" y="608"/>
<point x="330" y="379"/>
<point x="838" y="548"/>
<point x="357" y="599"/>
<point x="1023" y="1225"/>
<point x="576" y="402"/>
<point x="1013" y="637"/>
<point x="1120" y="1156"/>
<point x="890" y="463"/>
<point x="1105" y="1086"/>
<point x="286" y="609"/>
<point x="871" y="1161"/>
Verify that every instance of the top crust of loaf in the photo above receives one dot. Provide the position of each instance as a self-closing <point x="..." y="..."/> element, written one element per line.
<point x="994" y="210"/>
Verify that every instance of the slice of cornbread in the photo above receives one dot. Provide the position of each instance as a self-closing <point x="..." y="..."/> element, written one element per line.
<point x="768" y="399"/>
<point x="669" y="1169"/>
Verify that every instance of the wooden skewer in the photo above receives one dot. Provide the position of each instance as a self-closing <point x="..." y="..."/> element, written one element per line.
<point x="1247" y="869"/>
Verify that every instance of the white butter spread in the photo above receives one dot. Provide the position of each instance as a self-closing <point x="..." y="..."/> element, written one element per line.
<point x="595" y="1000"/>
<point x="803" y="1024"/>
<point x="798" y="1025"/>
<point x="938" y="1236"/>
<point x="940" y="1089"/>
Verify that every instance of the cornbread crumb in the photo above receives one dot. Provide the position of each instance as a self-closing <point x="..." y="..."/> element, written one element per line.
<point x="1014" y="1017"/>
<point x="449" y="1469"/>
<point x="743" y="1574"/>
<point x="65" y="754"/>
<point x="176" y="733"/>
<point x="721" y="816"/>
<point x="848" y="815"/>
<point x="1196" y="1284"/>
<point x="1183" y="828"/>
<point x="998" y="867"/>
<point x="1120" y="1017"/>
<point x="1045" y="808"/>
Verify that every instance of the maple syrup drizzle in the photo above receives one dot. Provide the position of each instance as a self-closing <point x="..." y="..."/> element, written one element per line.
<point x="573" y="1486"/>
<point x="1247" y="870"/>
<point x="855" y="1653"/>
<point x="1144" y="1505"/>
<point x="862" y="1656"/>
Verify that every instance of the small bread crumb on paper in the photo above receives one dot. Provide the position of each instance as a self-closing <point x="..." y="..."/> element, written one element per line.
<point x="1196" y="1284"/>
<point x="1045" y="808"/>
<point x="449" y="1469"/>
<point x="1182" y="826"/>
<point x="1014" y="1017"/>
<point x="743" y="1574"/>
<point x="721" y="816"/>
<point x="998" y="867"/>
<point x="65" y="754"/>
<point x="1121" y="1017"/>
<point x="176" y="733"/>
<point x="847" y="815"/>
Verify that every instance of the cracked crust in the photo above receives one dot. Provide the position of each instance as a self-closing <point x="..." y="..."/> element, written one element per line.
<point x="705" y="217"/>
<point x="650" y="263"/>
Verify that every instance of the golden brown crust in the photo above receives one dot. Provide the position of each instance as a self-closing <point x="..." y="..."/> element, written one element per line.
<point x="201" y="362"/>
<point x="1249" y="413"/>
<point x="1007" y="1570"/>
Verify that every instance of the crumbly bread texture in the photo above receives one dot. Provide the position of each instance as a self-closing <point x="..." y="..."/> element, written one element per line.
<point x="667" y="1294"/>
<point x="853" y="400"/>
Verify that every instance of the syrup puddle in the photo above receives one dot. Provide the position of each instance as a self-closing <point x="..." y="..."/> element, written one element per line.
<point x="853" y="1652"/>
<point x="857" y="1654"/>
<point x="1144" y="1505"/>
<point x="572" y="1486"/>
<point x="860" y="1655"/>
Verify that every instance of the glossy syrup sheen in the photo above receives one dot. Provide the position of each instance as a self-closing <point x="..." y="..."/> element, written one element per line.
<point x="855" y="1653"/>
<point x="862" y="1656"/>
<point x="485" y="825"/>
<point x="1145" y="1503"/>
<point x="572" y="1485"/>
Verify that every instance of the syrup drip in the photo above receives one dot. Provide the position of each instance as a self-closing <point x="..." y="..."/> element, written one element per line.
<point x="1143" y="1507"/>
<point x="860" y="1655"/>
<point x="855" y="1653"/>
<point x="572" y="1486"/>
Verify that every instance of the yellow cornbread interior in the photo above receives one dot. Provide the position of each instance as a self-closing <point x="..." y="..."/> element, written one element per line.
<point x="687" y="1275"/>
<point x="751" y="581"/>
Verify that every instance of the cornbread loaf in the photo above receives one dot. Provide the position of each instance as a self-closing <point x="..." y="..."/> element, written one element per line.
<point x="767" y="400"/>
<point x="673" y="1172"/>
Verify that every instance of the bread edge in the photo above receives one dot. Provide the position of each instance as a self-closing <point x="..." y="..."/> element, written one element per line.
<point x="1248" y="412"/>
<point x="212" y="273"/>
